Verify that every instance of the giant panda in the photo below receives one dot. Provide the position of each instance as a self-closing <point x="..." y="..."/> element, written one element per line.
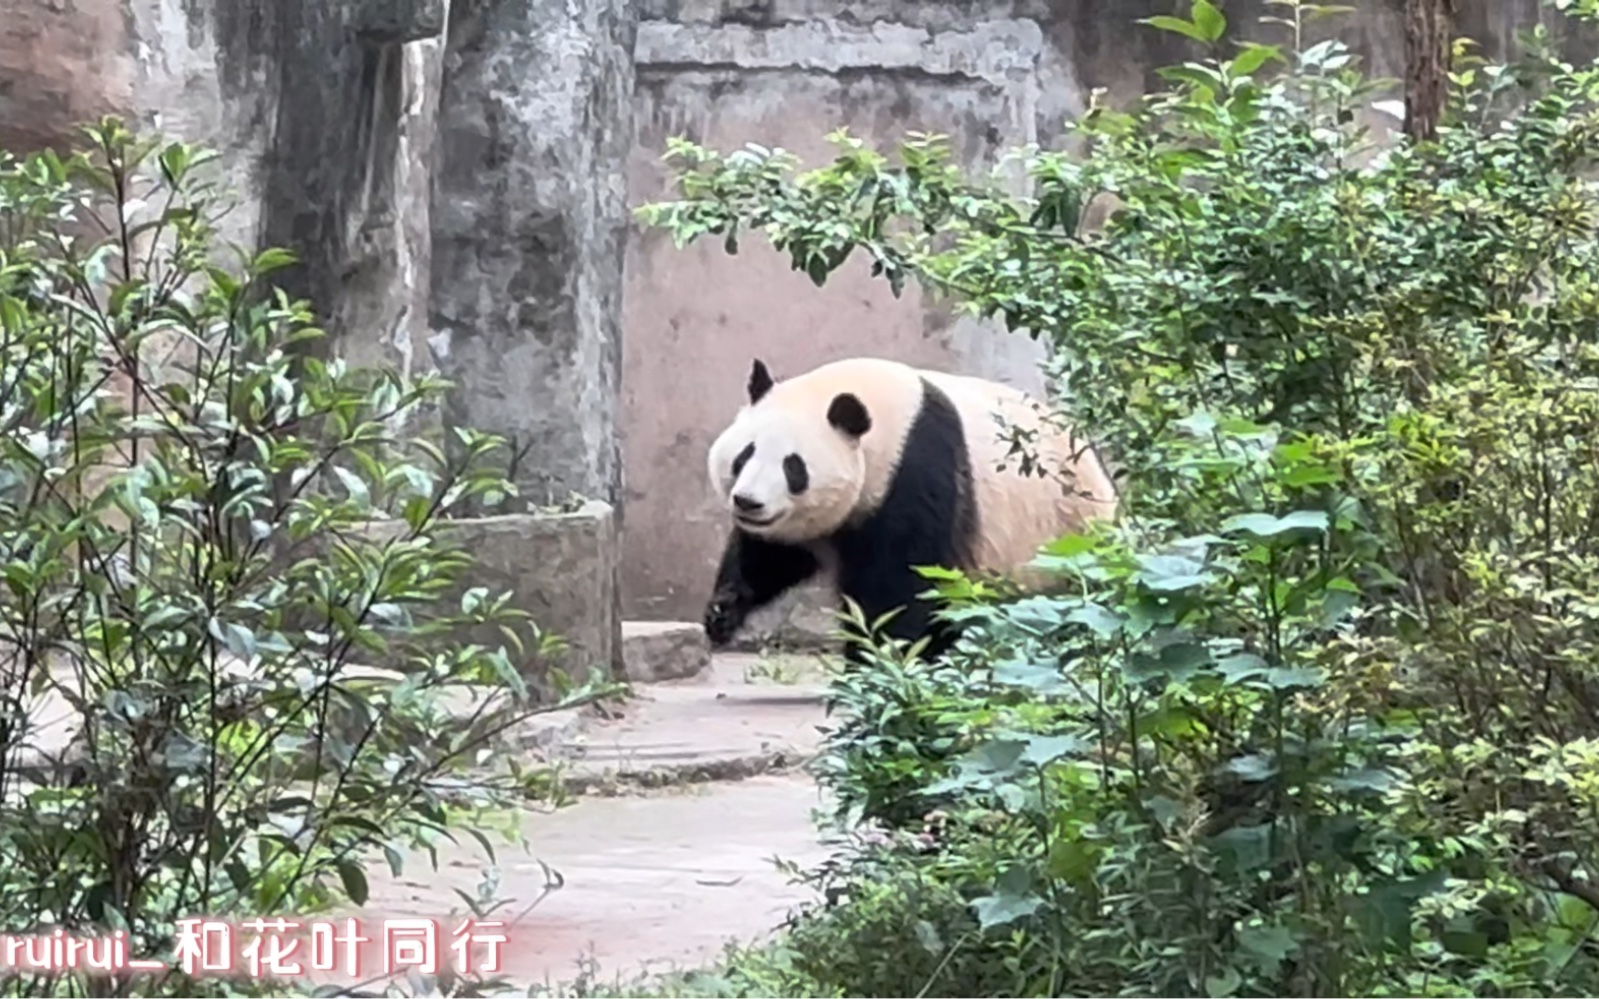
<point x="872" y="467"/>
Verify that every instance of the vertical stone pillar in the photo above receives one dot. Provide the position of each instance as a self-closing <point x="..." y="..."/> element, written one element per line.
<point x="529" y="217"/>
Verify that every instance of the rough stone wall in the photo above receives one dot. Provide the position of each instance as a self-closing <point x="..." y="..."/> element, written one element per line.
<point x="362" y="134"/>
<point x="328" y="117"/>
<point x="529" y="224"/>
<point x="321" y="112"/>
<point x="992" y="74"/>
<point x="60" y="63"/>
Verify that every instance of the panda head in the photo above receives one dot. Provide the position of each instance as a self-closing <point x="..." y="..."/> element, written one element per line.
<point x="790" y="467"/>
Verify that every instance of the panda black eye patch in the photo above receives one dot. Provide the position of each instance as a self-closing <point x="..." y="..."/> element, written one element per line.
<point x="743" y="458"/>
<point x="799" y="477"/>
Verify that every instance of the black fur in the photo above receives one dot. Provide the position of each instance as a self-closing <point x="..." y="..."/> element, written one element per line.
<point x="753" y="573"/>
<point x="928" y="517"/>
<point x="848" y="415"/>
<point x="797" y="473"/>
<point x="760" y="381"/>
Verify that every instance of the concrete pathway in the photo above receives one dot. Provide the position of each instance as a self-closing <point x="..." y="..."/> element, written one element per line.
<point x="649" y="883"/>
<point x="688" y="793"/>
<point x="693" y="793"/>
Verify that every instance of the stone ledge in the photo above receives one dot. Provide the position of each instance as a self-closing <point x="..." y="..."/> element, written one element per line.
<point x="561" y="569"/>
<point x="663" y="650"/>
<point x="804" y="618"/>
<point x="995" y="50"/>
<point x="50" y="748"/>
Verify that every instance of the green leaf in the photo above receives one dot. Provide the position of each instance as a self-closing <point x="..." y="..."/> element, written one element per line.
<point x="1041" y="678"/>
<point x="1039" y="614"/>
<point x="1254" y="56"/>
<point x="1370" y="779"/>
<point x="273" y="258"/>
<point x="473" y="599"/>
<point x="1283" y="678"/>
<point x="1209" y="20"/>
<point x="1168" y="573"/>
<point x="236" y="638"/>
<point x="816" y="269"/>
<point x="1241" y="666"/>
<point x="1336" y="605"/>
<point x="354" y="878"/>
<point x="1224" y="984"/>
<point x="1010" y="755"/>
<point x="12" y="317"/>
<point x="1167" y="23"/>
<point x="1199" y="424"/>
<point x="1000" y="910"/>
<point x="1073" y="860"/>
<point x="1104" y="623"/>
<point x="186" y="754"/>
<point x="1269" y="945"/>
<point x="1042" y="750"/>
<point x="1071" y="546"/>
<point x="1264" y="525"/>
<point x="1013" y="899"/>
<point x="354" y="486"/>
<point x="1246" y="848"/>
<point x="1176" y="661"/>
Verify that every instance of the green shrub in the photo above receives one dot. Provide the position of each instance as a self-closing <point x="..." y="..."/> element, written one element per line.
<point x="1319" y="716"/>
<point x="188" y="576"/>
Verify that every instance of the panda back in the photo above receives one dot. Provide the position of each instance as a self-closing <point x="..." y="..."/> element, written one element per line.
<point x="1016" y="513"/>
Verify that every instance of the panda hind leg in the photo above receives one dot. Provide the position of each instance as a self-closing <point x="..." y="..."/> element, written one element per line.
<point x="753" y="572"/>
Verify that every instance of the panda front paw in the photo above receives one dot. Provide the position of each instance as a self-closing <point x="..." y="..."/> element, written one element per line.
<point x="722" y="619"/>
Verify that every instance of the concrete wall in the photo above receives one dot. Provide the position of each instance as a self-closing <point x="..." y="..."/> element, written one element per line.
<point x="992" y="74"/>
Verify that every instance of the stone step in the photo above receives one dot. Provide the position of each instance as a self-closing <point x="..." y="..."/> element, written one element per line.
<point x="738" y="718"/>
<point x="653" y="651"/>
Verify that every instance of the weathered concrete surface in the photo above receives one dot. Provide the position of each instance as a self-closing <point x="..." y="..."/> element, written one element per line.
<point x="663" y="650"/>
<point x="562" y="568"/>
<point x="260" y="81"/>
<point x="728" y="722"/>
<point x="529" y="216"/>
<point x="53" y="721"/>
<point x="647" y="883"/>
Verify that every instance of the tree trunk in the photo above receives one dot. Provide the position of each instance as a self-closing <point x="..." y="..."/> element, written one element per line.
<point x="1428" y="27"/>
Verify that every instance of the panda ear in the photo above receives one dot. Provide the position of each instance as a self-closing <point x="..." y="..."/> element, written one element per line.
<point x="760" y="381"/>
<point x="848" y="414"/>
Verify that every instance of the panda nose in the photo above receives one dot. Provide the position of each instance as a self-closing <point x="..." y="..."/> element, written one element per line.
<point x="745" y="504"/>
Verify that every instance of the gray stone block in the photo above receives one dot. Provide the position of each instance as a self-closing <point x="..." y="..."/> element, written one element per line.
<point x="663" y="650"/>
<point x="562" y="569"/>
<point x="805" y="618"/>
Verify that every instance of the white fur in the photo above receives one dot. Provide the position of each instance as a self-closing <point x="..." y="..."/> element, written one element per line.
<point x="1020" y="512"/>
<point x="1017" y="513"/>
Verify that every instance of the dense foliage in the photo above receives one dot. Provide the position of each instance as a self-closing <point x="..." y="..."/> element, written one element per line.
<point x="1320" y="716"/>
<point x="210" y="540"/>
